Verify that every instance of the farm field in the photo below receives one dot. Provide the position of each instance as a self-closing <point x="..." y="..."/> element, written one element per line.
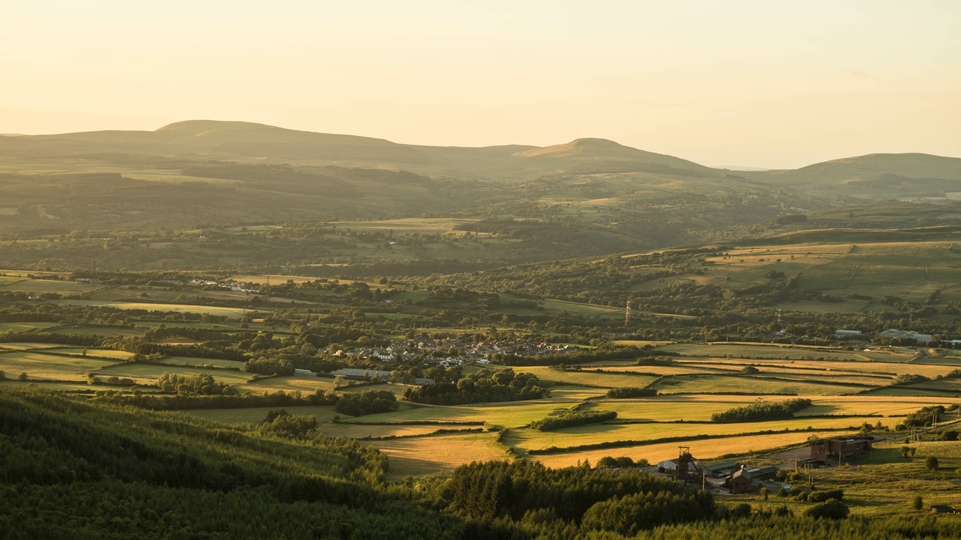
<point x="419" y="456"/>
<point x="23" y="327"/>
<point x="255" y="415"/>
<point x="47" y="366"/>
<point x="603" y="380"/>
<point x="704" y="449"/>
<point x="708" y="384"/>
<point x="528" y="439"/>
<point x="176" y="308"/>
<point x="291" y="383"/>
<point x="203" y="362"/>
<point x="503" y="414"/>
<point x="28" y="346"/>
<point x="42" y="286"/>
<point x="752" y="351"/>
<point x="96" y="353"/>
<point x="152" y="372"/>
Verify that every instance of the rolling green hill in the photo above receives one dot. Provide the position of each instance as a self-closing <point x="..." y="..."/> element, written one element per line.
<point x="588" y="197"/>
<point x="874" y="176"/>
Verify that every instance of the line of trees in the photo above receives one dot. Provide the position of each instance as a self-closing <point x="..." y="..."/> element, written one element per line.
<point x="483" y="386"/>
<point x="626" y="392"/>
<point x="759" y="412"/>
<point x="572" y="419"/>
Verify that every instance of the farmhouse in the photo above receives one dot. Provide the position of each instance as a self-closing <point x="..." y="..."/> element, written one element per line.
<point x="831" y="451"/>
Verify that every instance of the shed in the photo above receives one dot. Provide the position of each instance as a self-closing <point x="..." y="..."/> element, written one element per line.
<point x="719" y="470"/>
<point x="763" y="473"/>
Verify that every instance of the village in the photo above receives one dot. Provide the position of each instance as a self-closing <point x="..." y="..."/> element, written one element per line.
<point x="453" y="352"/>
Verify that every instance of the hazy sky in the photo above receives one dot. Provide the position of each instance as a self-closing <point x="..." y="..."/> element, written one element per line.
<point x="762" y="84"/>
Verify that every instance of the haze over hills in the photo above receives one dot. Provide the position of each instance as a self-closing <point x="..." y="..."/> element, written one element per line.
<point x="261" y="143"/>
<point x="874" y="176"/>
<point x="250" y="142"/>
<point x="214" y="172"/>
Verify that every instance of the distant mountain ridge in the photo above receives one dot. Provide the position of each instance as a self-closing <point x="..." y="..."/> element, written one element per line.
<point x="873" y="176"/>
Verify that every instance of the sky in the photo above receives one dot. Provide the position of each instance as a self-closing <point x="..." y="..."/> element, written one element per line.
<point x="736" y="83"/>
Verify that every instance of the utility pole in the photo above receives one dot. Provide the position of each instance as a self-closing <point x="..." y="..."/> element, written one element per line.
<point x="627" y="314"/>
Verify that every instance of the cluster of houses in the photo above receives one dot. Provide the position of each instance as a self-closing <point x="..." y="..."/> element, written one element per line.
<point x="464" y="352"/>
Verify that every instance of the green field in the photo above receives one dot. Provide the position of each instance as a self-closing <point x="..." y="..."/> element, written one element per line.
<point x="152" y="372"/>
<point x="586" y="378"/>
<point x="25" y="326"/>
<point x="97" y="353"/>
<point x="255" y="415"/>
<point x="746" y="351"/>
<point x="292" y="383"/>
<point x="49" y="367"/>
<point x="203" y="362"/>
<point x="176" y="308"/>
<point x="705" y="449"/>
<point x="28" y="346"/>
<point x="418" y="456"/>
<point x="708" y="384"/>
<point x="41" y="286"/>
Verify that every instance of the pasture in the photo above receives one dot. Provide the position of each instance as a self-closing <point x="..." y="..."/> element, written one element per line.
<point x="203" y="362"/>
<point x="26" y="326"/>
<point x="42" y="286"/>
<point x="290" y="383"/>
<point x="148" y="307"/>
<point x="255" y="415"/>
<point x="109" y="354"/>
<point x="49" y="367"/>
<point x="703" y="449"/>
<point x="587" y="378"/>
<point x="152" y="372"/>
<point x="436" y="454"/>
<point x="712" y="384"/>
<point x="528" y="439"/>
<point x="760" y="351"/>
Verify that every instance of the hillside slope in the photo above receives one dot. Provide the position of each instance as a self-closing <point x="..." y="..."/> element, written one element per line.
<point x="874" y="176"/>
<point x="261" y="143"/>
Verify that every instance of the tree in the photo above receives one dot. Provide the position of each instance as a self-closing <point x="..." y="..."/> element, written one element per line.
<point x="830" y="509"/>
<point x="765" y="492"/>
<point x="917" y="503"/>
<point x="22" y="377"/>
<point x="931" y="463"/>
